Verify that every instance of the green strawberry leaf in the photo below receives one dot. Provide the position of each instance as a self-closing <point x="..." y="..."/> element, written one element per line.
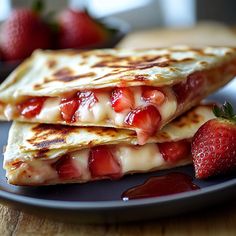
<point x="225" y="111"/>
<point x="38" y="6"/>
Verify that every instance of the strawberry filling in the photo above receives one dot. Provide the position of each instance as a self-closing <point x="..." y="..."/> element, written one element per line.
<point x="175" y="151"/>
<point x="31" y="107"/>
<point x="146" y="120"/>
<point x="66" y="168"/>
<point x="103" y="163"/>
<point x="153" y="95"/>
<point x="122" y="99"/>
<point x="110" y="162"/>
<point x="141" y="108"/>
<point x="68" y="107"/>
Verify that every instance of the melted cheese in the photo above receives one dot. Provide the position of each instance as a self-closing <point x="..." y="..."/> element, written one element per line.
<point x="131" y="159"/>
<point x="139" y="158"/>
<point x="50" y="110"/>
<point x="102" y="110"/>
<point x="80" y="161"/>
<point x="9" y="112"/>
<point x="32" y="173"/>
<point x="169" y="107"/>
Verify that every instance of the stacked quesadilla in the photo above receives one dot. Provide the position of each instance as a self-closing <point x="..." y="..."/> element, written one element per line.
<point x="104" y="113"/>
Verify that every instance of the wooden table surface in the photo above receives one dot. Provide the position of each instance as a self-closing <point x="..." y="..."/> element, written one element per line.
<point x="218" y="221"/>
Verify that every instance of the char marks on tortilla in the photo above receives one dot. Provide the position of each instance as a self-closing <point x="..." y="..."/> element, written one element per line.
<point x="52" y="73"/>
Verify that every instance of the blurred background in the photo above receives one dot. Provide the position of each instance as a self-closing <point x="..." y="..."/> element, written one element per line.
<point x="143" y="13"/>
<point x="121" y="23"/>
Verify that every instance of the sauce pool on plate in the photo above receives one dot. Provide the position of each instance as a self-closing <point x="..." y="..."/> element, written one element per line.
<point x="157" y="186"/>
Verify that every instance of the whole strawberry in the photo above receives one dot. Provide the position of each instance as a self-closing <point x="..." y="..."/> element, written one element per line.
<point x="22" y="33"/>
<point x="78" y="30"/>
<point x="214" y="144"/>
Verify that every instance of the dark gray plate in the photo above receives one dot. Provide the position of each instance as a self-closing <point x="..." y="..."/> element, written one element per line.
<point x="101" y="201"/>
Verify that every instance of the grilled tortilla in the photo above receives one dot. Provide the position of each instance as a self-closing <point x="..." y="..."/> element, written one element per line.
<point x="42" y="154"/>
<point x="140" y="90"/>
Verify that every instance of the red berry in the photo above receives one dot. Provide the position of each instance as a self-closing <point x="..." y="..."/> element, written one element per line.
<point x="102" y="163"/>
<point x="66" y="168"/>
<point x="22" y="33"/>
<point x="122" y="99"/>
<point x="146" y="120"/>
<point x="214" y="148"/>
<point x="68" y="107"/>
<point x="175" y="151"/>
<point x="87" y="98"/>
<point x="153" y="95"/>
<point x="77" y="30"/>
<point x="31" y="107"/>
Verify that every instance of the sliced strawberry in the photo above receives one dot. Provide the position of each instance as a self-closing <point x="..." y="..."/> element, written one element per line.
<point x="87" y="98"/>
<point x="191" y="88"/>
<point x="102" y="163"/>
<point x="68" y="107"/>
<point x="122" y="99"/>
<point x="66" y="168"/>
<point x="153" y="95"/>
<point x="146" y="120"/>
<point x="31" y="107"/>
<point x="175" y="151"/>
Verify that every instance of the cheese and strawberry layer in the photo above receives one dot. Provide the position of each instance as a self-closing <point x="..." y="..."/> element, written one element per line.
<point x="144" y="108"/>
<point x="101" y="162"/>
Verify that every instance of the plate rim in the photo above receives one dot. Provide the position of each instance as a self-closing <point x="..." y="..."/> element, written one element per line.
<point x="112" y="204"/>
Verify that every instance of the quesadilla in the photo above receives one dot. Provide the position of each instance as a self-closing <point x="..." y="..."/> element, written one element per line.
<point x="140" y="90"/>
<point x="46" y="154"/>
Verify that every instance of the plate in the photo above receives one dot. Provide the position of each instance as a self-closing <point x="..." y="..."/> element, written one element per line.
<point x="101" y="201"/>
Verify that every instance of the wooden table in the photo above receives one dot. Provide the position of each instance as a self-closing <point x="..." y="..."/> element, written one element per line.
<point x="218" y="221"/>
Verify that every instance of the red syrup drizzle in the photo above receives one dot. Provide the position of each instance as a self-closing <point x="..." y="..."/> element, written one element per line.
<point x="161" y="186"/>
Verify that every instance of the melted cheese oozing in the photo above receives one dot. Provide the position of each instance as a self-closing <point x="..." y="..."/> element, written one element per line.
<point x="50" y="110"/>
<point x="33" y="172"/>
<point x="80" y="161"/>
<point x="131" y="158"/>
<point x="139" y="158"/>
<point x="102" y="110"/>
<point x="169" y="107"/>
<point x="9" y="112"/>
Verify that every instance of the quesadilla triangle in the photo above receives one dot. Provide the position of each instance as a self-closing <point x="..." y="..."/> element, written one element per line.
<point x="140" y="90"/>
<point x="46" y="154"/>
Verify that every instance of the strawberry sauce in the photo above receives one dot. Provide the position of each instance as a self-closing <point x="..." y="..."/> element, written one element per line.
<point x="157" y="186"/>
<point x="31" y="107"/>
